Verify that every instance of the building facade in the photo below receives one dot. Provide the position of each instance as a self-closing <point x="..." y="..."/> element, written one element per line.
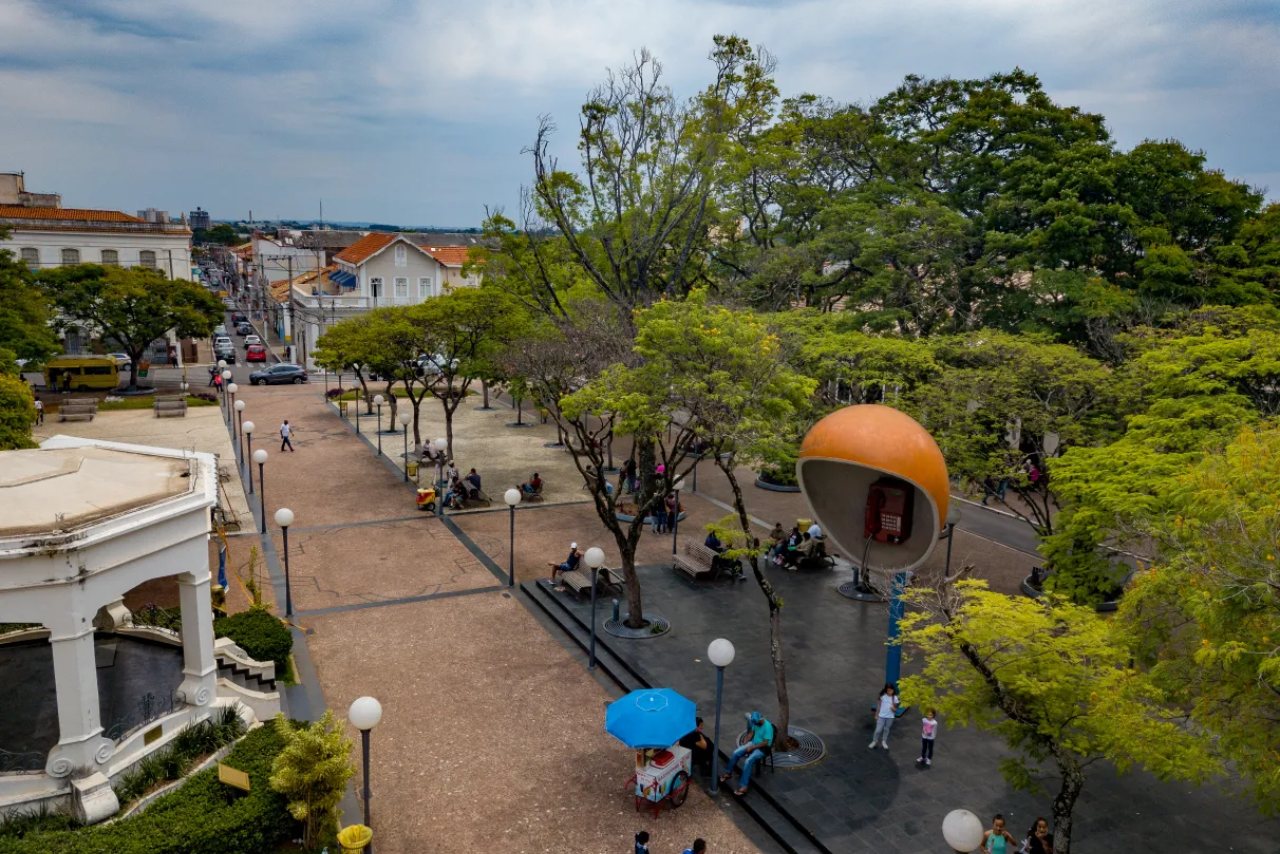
<point x="45" y="237"/>
<point x="198" y="219"/>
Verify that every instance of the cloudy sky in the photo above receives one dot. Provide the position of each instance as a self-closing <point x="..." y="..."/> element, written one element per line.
<point x="415" y="111"/>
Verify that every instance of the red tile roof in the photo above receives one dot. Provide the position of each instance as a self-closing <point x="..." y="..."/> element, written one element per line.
<point x="370" y="244"/>
<point x="451" y="256"/>
<point x="65" y="214"/>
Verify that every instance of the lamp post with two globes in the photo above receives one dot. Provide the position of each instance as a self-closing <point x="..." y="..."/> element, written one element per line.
<point x="721" y="653"/>
<point x="364" y="714"/>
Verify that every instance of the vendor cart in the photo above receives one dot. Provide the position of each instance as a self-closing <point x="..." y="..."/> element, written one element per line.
<point x="662" y="776"/>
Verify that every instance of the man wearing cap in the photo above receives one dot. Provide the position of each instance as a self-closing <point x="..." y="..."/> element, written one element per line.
<point x="758" y="741"/>
<point x="570" y="563"/>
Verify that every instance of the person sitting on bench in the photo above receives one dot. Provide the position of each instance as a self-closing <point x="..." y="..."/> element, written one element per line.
<point x="457" y="491"/>
<point x="570" y="563"/>
<point x="472" y="483"/>
<point x="429" y="451"/>
<point x="719" y="563"/>
<point x="533" y="486"/>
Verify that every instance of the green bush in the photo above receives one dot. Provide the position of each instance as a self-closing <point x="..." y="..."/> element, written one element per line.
<point x="203" y="816"/>
<point x="259" y="634"/>
<point x="187" y="747"/>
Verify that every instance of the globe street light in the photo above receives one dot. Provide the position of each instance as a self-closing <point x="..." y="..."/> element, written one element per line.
<point x="240" y="427"/>
<point x="260" y="457"/>
<point x="364" y="715"/>
<point x="232" y="388"/>
<point x="441" y="448"/>
<point x="595" y="559"/>
<point x="512" y="497"/>
<point x="377" y="401"/>
<point x="404" y="419"/>
<point x="247" y="430"/>
<point x="284" y="518"/>
<point x="721" y="654"/>
<point x="963" y="831"/>
<point x="675" y="520"/>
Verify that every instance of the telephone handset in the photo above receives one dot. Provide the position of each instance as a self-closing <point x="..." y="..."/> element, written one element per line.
<point x="890" y="505"/>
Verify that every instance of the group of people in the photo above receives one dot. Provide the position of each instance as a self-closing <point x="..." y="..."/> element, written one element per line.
<point x="459" y="487"/>
<point x="758" y="743"/>
<point x="998" y="840"/>
<point x="642" y="844"/>
<point x="790" y="548"/>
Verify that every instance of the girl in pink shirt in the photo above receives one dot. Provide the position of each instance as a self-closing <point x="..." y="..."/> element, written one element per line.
<point x="928" y="733"/>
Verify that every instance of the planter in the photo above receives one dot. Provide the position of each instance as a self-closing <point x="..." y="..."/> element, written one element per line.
<point x="1035" y="593"/>
<point x="761" y="483"/>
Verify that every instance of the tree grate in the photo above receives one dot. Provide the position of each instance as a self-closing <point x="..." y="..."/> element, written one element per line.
<point x="852" y="590"/>
<point x="810" y="750"/>
<point x="619" y="628"/>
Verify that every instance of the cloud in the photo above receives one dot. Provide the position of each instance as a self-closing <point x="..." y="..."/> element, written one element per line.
<point x="416" y="111"/>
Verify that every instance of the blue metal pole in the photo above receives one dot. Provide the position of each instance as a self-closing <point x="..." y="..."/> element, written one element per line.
<point x="591" y="664"/>
<point x="893" y="657"/>
<point x="715" y="747"/>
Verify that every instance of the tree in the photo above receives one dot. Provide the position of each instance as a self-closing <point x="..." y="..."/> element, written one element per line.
<point x="218" y="235"/>
<point x="349" y="345"/>
<point x="17" y="413"/>
<point x="312" y="773"/>
<point x="1053" y="681"/>
<point x="131" y="307"/>
<point x="24" y="315"/>
<point x="1205" y="617"/>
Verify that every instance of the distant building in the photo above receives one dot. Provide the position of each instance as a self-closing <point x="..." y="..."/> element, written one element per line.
<point x="44" y="237"/>
<point x="198" y="219"/>
<point x="14" y="193"/>
<point x="153" y="215"/>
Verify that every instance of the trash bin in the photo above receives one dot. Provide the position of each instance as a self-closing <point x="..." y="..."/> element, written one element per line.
<point x="355" y="837"/>
<point x="411" y="468"/>
<point x="342" y="406"/>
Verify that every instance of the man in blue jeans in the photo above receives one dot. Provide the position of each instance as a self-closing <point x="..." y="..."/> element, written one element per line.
<point x="761" y="739"/>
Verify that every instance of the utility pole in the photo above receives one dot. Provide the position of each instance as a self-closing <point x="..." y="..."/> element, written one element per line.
<point x="288" y="313"/>
<point x="170" y="263"/>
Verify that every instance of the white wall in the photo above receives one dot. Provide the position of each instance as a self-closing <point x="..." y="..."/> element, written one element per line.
<point x="417" y="266"/>
<point x="90" y="243"/>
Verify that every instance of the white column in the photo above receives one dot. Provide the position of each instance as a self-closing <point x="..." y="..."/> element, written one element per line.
<point x="75" y="676"/>
<point x="199" y="668"/>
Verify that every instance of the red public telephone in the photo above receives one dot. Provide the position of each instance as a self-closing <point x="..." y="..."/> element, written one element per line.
<point x="889" y="510"/>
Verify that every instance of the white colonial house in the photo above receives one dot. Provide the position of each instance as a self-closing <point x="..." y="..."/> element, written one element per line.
<point x="44" y="237"/>
<point x="378" y="270"/>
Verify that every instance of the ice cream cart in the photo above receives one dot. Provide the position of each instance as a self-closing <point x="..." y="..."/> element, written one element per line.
<point x="661" y="775"/>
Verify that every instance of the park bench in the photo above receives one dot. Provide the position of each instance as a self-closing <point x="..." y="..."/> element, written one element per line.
<point x="696" y="561"/>
<point x="579" y="580"/>
<point x="78" y="409"/>
<point x="171" y="407"/>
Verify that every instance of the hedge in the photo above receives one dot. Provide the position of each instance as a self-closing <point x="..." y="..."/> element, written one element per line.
<point x="260" y="635"/>
<point x="203" y="816"/>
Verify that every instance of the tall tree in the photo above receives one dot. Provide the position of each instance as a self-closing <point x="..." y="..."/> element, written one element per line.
<point x="25" y="332"/>
<point x="130" y="307"/>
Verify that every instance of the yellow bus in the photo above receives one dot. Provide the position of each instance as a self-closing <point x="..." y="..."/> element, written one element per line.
<point x="81" y="373"/>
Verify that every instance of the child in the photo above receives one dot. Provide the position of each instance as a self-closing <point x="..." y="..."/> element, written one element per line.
<point x="927" y="735"/>
<point x="886" y="710"/>
<point x="699" y="847"/>
<point x="642" y="842"/>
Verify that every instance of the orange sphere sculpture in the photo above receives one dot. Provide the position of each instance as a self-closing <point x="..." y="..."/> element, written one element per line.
<point x="877" y="485"/>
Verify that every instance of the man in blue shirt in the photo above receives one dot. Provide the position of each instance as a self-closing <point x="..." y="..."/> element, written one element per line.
<point x="759" y="740"/>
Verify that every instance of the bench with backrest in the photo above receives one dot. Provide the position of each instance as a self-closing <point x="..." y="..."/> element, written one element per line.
<point x="579" y="580"/>
<point x="78" y="409"/>
<point x="696" y="561"/>
<point x="532" y="494"/>
<point x="171" y="407"/>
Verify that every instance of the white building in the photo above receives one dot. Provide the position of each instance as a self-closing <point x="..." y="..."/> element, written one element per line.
<point x="378" y="270"/>
<point x="45" y="237"/>
<point x="82" y="523"/>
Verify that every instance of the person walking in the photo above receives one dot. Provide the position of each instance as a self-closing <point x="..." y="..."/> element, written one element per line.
<point x="997" y="840"/>
<point x="39" y="412"/>
<point x="1039" y="839"/>
<point x="928" y="732"/>
<point x="285" y="432"/>
<point x="699" y="847"/>
<point x="886" y="709"/>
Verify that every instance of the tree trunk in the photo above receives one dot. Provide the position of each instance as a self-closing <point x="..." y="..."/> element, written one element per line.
<point x="364" y="392"/>
<point x="726" y="464"/>
<point x="484" y="387"/>
<point x="1065" y="802"/>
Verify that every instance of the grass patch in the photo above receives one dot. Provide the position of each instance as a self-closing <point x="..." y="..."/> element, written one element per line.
<point x="147" y="402"/>
<point x="6" y="628"/>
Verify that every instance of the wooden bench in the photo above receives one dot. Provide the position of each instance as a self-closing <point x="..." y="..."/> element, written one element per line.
<point x="579" y="581"/>
<point x="695" y="560"/>
<point x="78" y="409"/>
<point x="612" y="578"/>
<point x="171" y="407"/>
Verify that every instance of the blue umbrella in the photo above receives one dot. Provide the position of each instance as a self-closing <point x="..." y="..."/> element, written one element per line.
<point x="654" y="718"/>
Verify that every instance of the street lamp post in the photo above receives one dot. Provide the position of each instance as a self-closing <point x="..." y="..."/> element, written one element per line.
<point x="675" y="520"/>
<point x="222" y="396"/>
<point x="721" y="652"/>
<point x="595" y="559"/>
<point x="240" y="428"/>
<point x="226" y="381"/>
<point x="260" y="457"/>
<point x="963" y="831"/>
<point x="232" y="388"/>
<point x="377" y="401"/>
<point x="512" y="497"/>
<point x="284" y="518"/>
<point x="442" y="445"/>
<point x="953" y="516"/>
<point x="405" y="418"/>
<point x="364" y="714"/>
<point x="247" y="430"/>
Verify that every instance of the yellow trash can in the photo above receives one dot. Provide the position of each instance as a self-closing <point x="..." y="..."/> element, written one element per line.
<point x="342" y="405"/>
<point x="411" y="468"/>
<point x="355" y="837"/>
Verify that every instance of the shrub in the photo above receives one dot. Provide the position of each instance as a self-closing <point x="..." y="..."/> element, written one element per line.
<point x="203" y="816"/>
<point x="40" y="819"/>
<point x="259" y="634"/>
<point x="162" y="618"/>
<point x="312" y="772"/>
<point x="175" y="760"/>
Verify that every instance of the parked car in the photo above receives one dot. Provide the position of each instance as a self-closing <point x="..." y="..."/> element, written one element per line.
<point x="253" y="339"/>
<point x="122" y="360"/>
<point x="220" y="329"/>
<point x="282" y="373"/>
<point x="432" y="364"/>
<point x="220" y="341"/>
<point x="243" y="329"/>
<point x="255" y="353"/>
<point x="227" y="353"/>
<point x="238" y="317"/>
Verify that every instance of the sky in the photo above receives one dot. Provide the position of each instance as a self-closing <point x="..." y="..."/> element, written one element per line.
<point x="415" y="112"/>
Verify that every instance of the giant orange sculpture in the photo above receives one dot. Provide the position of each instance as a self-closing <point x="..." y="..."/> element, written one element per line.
<point x="877" y="484"/>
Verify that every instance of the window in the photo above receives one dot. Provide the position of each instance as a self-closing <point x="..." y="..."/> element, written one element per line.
<point x="70" y="256"/>
<point x="375" y="286"/>
<point x="31" y="257"/>
<point x="147" y="258"/>
<point x="402" y="287"/>
<point x="98" y="370"/>
<point x="402" y="256"/>
<point x="424" y="287"/>
<point x="111" y="257"/>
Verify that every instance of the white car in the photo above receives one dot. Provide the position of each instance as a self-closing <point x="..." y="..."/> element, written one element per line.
<point x="221" y="342"/>
<point x="252" y="339"/>
<point x="122" y="359"/>
<point x="434" y="363"/>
